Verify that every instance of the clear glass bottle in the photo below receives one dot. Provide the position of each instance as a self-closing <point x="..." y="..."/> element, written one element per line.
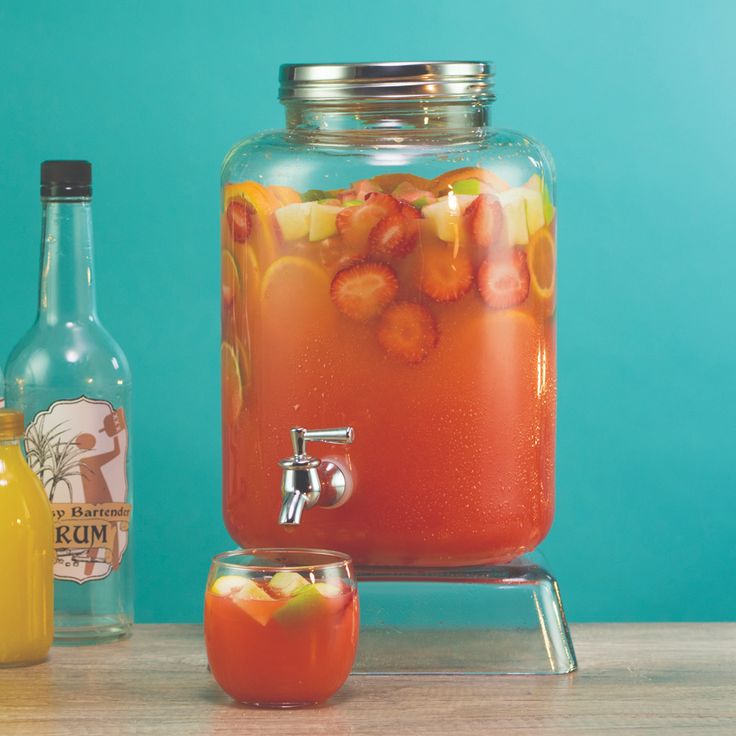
<point x="71" y="380"/>
<point x="26" y="554"/>
<point x="388" y="263"/>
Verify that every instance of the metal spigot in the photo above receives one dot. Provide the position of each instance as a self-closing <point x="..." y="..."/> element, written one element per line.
<point x="301" y="485"/>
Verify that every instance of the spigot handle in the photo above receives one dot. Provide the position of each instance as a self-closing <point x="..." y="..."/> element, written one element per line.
<point x="337" y="436"/>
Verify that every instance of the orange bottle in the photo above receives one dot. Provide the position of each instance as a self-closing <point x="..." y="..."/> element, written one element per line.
<point x="26" y="554"/>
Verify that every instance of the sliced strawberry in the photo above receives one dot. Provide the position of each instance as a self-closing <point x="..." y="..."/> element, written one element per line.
<point x="484" y="218"/>
<point x="395" y="235"/>
<point x="446" y="275"/>
<point x="408" y="332"/>
<point x="503" y="279"/>
<point x="239" y="214"/>
<point x="355" y="224"/>
<point x="407" y="192"/>
<point x="362" y="291"/>
<point x="409" y="211"/>
<point x="390" y="205"/>
<point x="361" y="189"/>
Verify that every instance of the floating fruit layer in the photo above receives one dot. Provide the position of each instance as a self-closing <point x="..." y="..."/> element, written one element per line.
<point x="475" y="232"/>
<point x="288" y="598"/>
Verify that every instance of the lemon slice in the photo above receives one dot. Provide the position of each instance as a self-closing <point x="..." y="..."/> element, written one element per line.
<point x="244" y="363"/>
<point x="296" y="291"/>
<point x="230" y="279"/>
<point x="291" y="276"/>
<point x="232" y="385"/>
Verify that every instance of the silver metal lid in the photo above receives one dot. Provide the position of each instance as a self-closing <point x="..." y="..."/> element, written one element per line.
<point x="395" y="80"/>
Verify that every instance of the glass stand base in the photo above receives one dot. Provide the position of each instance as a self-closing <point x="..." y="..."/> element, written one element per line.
<point x="500" y="619"/>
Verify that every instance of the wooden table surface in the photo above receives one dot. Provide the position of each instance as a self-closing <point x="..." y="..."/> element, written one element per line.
<point x="633" y="678"/>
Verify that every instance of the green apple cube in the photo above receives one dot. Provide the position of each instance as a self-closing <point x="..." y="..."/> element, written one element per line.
<point x="534" y="182"/>
<point x="305" y="603"/>
<point x="467" y="186"/>
<point x="445" y="215"/>
<point x="548" y="207"/>
<point x="353" y="203"/>
<point x="322" y="223"/>
<point x="286" y="583"/>
<point x="254" y="600"/>
<point x="228" y="584"/>
<point x="251" y="591"/>
<point x="308" y="601"/>
<point x="294" y="220"/>
<point x="514" y="211"/>
<point x="328" y="590"/>
<point x="534" y="210"/>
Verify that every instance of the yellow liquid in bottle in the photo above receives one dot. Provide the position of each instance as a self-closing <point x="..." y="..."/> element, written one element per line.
<point x="26" y="561"/>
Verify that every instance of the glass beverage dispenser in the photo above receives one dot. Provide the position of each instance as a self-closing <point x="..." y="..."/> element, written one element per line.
<point x="388" y="269"/>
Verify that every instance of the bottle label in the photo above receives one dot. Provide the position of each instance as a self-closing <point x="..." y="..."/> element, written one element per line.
<point x="79" y="449"/>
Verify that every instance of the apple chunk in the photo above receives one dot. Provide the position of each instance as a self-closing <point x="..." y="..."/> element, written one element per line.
<point x="313" y="599"/>
<point x="294" y="219"/>
<point x="323" y="221"/>
<point x="228" y="584"/>
<point x="445" y="215"/>
<point x="256" y="602"/>
<point x="286" y="583"/>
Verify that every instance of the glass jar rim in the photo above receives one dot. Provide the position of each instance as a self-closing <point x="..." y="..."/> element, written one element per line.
<point x="395" y="80"/>
<point x="332" y="559"/>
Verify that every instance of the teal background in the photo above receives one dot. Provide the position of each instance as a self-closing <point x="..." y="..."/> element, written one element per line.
<point x="634" y="100"/>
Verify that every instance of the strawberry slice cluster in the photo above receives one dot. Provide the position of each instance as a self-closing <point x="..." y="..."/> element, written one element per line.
<point x="385" y="228"/>
<point x="372" y="238"/>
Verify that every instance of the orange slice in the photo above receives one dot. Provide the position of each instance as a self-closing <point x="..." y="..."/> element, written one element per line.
<point x="541" y="259"/>
<point x="440" y="184"/>
<point x="285" y="195"/>
<point x="295" y="280"/>
<point x="232" y="387"/>
<point x="295" y="298"/>
<point x="389" y="182"/>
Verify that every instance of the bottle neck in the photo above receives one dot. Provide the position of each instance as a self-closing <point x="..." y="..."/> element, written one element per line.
<point x="402" y="119"/>
<point x="67" y="289"/>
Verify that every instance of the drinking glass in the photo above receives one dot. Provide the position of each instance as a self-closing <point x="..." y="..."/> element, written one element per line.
<point x="281" y="625"/>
